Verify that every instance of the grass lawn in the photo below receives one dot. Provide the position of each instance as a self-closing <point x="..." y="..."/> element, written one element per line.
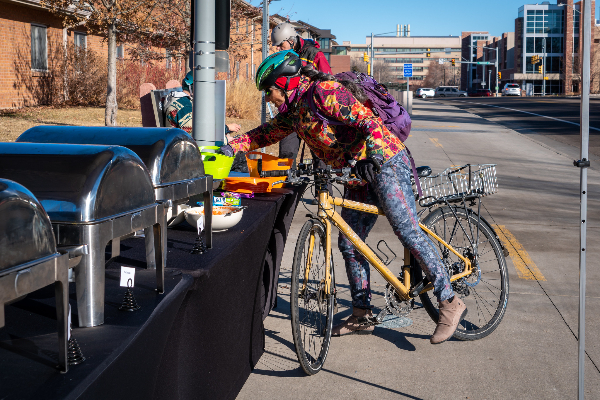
<point x="14" y="122"/>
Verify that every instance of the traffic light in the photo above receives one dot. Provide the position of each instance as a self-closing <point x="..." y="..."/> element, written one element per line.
<point x="499" y="75"/>
<point x="454" y="62"/>
<point x="365" y="57"/>
<point x="428" y="53"/>
<point x="540" y="69"/>
<point x="533" y="59"/>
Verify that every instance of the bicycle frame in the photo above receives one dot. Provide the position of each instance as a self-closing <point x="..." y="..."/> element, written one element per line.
<point x="329" y="216"/>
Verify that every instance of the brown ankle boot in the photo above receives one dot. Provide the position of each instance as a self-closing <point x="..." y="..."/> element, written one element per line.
<point x="355" y="323"/>
<point x="450" y="316"/>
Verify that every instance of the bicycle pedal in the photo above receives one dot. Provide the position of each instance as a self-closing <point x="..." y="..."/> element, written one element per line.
<point x="367" y="321"/>
<point x="417" y="289"/>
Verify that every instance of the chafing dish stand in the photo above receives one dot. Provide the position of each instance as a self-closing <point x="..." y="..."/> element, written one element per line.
<point x="92" y="194"/>
<point x="170" y="154"/>
<point x="28" y="257"/>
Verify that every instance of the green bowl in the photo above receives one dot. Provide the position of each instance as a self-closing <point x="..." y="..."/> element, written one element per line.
<point x="215" y="164"/>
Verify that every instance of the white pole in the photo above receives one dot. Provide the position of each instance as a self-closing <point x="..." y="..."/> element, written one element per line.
<point x="203" y="112"/>
<point x="583" y="164"/>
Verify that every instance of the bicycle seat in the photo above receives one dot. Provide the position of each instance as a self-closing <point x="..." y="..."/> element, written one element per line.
<point x="423" y="171"/>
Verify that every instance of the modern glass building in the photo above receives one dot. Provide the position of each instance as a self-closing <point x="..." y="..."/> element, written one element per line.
<point x="542" y="32"/>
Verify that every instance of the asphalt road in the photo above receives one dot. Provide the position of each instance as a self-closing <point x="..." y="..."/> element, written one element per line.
<point x="553" y="121"/>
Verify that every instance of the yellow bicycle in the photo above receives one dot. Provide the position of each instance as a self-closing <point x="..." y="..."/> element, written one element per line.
<point x="469" y="248"/>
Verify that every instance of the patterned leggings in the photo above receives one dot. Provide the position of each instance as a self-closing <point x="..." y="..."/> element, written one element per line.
<point x="393" y="193"/>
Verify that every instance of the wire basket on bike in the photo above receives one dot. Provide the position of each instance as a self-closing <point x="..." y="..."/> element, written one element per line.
<point x="458" y="183"/>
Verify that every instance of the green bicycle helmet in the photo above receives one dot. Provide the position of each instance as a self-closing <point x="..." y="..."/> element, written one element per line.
<point x="282" y="63"/>
<point x="188" y="81"/>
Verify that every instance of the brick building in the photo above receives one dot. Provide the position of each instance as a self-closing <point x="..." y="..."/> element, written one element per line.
<point x="548" y="31"/>
<point x="32" y="43"/>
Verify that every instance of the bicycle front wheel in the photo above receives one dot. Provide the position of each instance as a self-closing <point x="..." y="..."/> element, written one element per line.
<point x="484" y="292"/>
<point x="311" y="301"/>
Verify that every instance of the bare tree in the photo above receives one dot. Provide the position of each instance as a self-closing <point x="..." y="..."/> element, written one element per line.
<point x="441" y="74"/>
<point x="117" y="20"/>
<point x="382" y="71"/>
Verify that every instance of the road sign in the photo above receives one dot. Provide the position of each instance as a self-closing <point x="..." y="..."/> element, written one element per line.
<point x="484" y="63"/>
<point x="408" y="70"/>
<point x="442" y="61"/>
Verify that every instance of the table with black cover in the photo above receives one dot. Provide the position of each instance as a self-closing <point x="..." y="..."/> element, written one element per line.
<point x="198" y="340"/>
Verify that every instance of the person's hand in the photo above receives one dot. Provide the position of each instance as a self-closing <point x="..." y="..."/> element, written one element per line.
<point x="234" y="127"/>
<point x="227" y="150"/>
<point x="367" y="169"/>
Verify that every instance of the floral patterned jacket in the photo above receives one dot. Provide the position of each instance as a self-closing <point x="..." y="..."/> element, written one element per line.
<point x="363" y="134"/>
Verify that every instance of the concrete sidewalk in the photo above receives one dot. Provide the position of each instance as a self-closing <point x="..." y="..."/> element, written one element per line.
<point x="532" y="354"/>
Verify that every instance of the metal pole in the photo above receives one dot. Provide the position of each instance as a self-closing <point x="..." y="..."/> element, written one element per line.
<point x="583" y="164"/>
<point x="265" y="54"/>
<point x="490" y="78"/>
<point x="497" y="70"/>
<point x="371" y="61"/>
<point x="203" y="112"/>
<point x="544" y="67"/>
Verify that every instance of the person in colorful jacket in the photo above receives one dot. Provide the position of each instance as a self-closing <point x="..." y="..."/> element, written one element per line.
<point x="379" y="158"/>
<point x="284" y="37"/>
<point x="178" y="107"/>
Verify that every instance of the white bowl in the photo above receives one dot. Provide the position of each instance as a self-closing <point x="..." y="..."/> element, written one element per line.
<point x="220" y="220"/>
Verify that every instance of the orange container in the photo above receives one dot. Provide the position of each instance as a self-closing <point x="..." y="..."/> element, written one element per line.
<point x="251" y="184"/>
<point x="269" y="163"/>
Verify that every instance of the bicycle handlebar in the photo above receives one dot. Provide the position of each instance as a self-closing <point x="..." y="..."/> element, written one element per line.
<point x="267" y="174"/>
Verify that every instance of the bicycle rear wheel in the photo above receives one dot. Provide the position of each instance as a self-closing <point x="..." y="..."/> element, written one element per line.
<point x="311" y="305"/>
<point x="485" y="295"/>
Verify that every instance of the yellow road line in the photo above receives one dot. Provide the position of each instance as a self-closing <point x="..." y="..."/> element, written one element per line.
<point x="526" y="268"/>
<point x="435" y="141"/>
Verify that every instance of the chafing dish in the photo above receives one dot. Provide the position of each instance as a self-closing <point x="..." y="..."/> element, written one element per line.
<point x="170" y="154"/>
<point x="92" y="194"/>
<point x="28" y="256"/>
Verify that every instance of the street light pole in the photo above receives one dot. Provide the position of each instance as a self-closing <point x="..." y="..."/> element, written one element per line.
<point x="544" y="66"/>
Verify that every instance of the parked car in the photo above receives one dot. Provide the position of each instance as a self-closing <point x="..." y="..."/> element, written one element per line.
<point x="511" y="89"/>
<point x="480" y="93"/>
<point x="449" y="91"/>
<point x="425" y="92"/>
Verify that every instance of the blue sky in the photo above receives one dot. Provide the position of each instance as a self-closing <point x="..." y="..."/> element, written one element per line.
<point x="355" y="19"/>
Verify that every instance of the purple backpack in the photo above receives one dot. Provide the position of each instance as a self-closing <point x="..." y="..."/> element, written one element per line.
<point x="383" y="104"/>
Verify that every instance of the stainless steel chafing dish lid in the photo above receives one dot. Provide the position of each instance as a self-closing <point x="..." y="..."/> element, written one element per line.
<point x="79" y="183"/>
<point x="170" y="154"/>
<point x="25" y="229"/>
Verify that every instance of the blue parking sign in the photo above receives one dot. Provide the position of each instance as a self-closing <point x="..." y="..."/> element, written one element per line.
<point x="408" y="70"/>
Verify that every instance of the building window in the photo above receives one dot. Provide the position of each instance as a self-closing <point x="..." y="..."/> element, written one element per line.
<point x="536" y="44"/>
<point x="237" y="26"/>
<point x="324" y="43"/>
<point x="545" y="21"/>
<point x="247" y="70"/>
<point x="120" y="52"/>
<point x="80" y="40"/>
<point x="39" y="49"/>
<point x="168" y="59"/>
